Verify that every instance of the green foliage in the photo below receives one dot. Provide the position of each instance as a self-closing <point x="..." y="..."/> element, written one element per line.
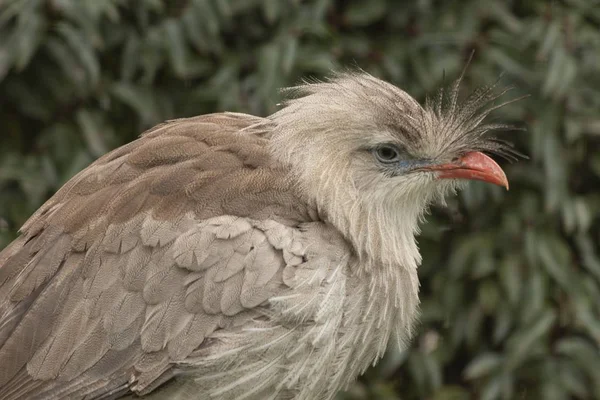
<point x="510" y="280"/>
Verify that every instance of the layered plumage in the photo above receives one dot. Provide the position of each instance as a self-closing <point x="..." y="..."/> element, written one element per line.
<point x="231" y="256"/>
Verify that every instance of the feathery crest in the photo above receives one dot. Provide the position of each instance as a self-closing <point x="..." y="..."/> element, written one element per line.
<point x="461" y="122"/>
<point x="457" y="125"/>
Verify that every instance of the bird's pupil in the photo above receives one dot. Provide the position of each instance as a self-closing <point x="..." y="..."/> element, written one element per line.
<point x="387" y="153"/>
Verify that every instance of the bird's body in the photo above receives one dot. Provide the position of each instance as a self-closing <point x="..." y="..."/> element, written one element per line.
<point x="238" y="257"/>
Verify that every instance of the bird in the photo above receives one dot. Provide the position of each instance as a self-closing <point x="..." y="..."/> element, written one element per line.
<point x="231" y="256"/>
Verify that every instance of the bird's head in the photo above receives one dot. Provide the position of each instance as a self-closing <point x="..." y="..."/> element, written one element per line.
<point x="373" y="159"/>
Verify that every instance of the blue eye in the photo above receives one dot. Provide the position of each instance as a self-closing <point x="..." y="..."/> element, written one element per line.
<point x="387" y="154"/>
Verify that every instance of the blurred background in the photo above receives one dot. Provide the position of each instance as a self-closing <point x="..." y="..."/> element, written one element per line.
<point x="510" y="280"/>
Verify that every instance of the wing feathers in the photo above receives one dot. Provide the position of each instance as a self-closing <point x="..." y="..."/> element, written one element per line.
<point x="159" y="233"/>
<point x="175" y="288"/>
<point x="192" y="335"/>
<point x="194" y="296"/>
<point x="29" y="334"/>
<point x="88" y="352"/>
<point x="41" y="267"/>
<point x="12" y="259"/>
<point x="191" y="248"/>
<point x="49" y="359"/>
<point x="230" y="297"/>
<point x="133" y="266"/>
<point x="124" y="312"/>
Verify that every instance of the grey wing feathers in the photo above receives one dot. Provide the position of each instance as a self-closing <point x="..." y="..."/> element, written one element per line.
<point x="72" y="328"/>
<point x="129" y="268"/>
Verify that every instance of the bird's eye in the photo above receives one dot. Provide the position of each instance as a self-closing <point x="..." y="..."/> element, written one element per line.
<point x="387" y="154"/>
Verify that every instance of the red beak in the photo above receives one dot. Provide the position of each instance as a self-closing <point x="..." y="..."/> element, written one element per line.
<point x="474" y="165"/>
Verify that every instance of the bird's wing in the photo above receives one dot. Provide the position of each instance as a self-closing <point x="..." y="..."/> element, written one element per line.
<point x="140" y="257"/>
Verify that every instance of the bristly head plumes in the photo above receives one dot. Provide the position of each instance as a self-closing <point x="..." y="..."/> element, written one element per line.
<point x="445" y="123"/>
<point x="460" y="124"/>
<point x="373" y="159"/>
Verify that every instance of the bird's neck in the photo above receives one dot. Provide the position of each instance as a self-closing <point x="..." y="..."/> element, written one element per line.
<point x="387" y="300"/>
<point x="381" y="230"/>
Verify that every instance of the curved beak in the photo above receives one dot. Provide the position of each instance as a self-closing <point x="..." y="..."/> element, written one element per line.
<point x="475" y="166"/>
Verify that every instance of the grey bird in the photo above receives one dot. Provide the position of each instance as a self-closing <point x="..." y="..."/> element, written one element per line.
<point x="229" y="256"/>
